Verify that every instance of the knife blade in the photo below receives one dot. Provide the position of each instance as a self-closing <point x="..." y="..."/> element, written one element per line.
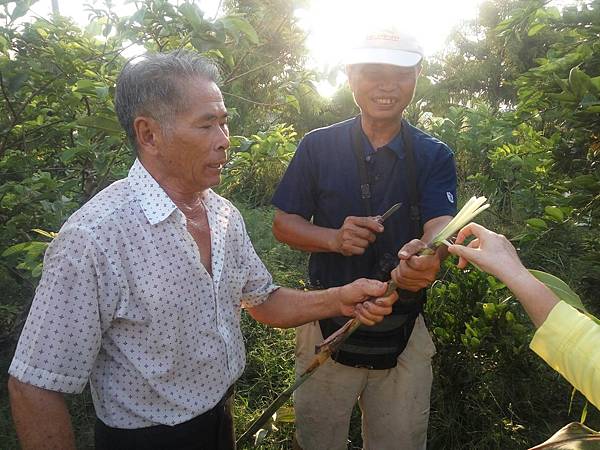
<point x="389" y="212"/>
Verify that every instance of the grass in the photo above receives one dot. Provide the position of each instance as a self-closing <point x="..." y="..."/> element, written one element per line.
<point x="270" y="352"/>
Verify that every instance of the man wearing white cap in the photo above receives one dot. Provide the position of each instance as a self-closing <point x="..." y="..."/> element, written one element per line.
<point x="331" y="203"/>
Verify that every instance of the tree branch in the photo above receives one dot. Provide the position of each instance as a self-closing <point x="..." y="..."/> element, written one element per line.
<point x="217" y="11"/>
<point x="103" y="178"/>
<point x="5" y="95"/>
<point x="255" y="69"/>
<point x="254" y="102"/>
<point x="14" y="120"/>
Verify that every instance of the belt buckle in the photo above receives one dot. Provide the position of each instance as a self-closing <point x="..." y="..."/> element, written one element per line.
<point x="364" y="366"/>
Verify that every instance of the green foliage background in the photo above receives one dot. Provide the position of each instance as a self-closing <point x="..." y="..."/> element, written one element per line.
<point x="516" y="94"/>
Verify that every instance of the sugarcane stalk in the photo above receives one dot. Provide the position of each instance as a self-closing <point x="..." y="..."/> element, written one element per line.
<point x="274" y="406"/>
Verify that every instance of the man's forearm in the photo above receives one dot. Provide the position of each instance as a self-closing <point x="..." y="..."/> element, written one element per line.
<point x="301" y="234"/>
<point x="287" y="308"/>
<point x="41" y="417"/>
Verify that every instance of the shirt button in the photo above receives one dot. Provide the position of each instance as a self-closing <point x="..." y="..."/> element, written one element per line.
<point x="368" y="158"/>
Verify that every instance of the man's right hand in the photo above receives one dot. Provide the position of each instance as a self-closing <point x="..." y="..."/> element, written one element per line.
<point x="362" y="299"/>
<point x="355" y="235"/>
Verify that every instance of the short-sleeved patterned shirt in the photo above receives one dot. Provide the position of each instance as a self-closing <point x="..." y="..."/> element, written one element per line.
<point x="125" y="302"/>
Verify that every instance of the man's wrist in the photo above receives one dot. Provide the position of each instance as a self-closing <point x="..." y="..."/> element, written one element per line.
<point x="332" y="241"/>
<point x="334" y="300"/>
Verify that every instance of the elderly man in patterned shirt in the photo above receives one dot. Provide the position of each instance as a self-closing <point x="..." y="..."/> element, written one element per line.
<point x="143" y="287"/>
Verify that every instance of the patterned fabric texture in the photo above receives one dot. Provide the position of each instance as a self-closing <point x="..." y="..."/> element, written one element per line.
<point x="125" y="302"/>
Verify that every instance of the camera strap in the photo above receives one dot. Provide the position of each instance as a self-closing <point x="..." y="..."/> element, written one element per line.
<point x="365" y="185"/>
<point x="359" y="155"/>
<point x="411" y="172"/>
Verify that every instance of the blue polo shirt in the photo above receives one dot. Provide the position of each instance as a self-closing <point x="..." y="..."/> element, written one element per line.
<point x="322" y="185"/>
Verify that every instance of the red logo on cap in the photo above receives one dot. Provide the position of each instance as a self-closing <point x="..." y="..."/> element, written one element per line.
<point x="385" y="37"/>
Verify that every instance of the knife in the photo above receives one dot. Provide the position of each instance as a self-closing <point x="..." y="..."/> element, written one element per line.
<point x="389" y="212"/>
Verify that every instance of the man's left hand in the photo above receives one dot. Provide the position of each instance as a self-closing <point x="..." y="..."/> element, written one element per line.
<point x="415" y="272"/>
<point x="354" y="300"/>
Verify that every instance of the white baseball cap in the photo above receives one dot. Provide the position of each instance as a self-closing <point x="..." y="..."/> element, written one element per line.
<point x="386" y="46"/>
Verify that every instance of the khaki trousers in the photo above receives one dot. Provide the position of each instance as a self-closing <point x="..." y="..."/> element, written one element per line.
<point x="394" y="402"/>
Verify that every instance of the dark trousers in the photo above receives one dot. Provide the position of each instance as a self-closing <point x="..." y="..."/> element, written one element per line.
<point x="212" y="430"/>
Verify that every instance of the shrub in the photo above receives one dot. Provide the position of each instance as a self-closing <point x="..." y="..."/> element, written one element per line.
<point x="489" y="391"/>
<point x="257" y="164"/>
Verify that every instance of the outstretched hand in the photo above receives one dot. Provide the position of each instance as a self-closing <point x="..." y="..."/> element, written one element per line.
<point x="490" y="251"/>
<point x="363" y="299"/>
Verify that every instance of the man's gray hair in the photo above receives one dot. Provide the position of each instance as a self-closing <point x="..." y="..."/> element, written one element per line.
<point x="151" y="86"/>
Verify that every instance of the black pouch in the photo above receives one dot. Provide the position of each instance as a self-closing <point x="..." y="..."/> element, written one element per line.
<point x="379" y="346"/>
<point x="376" y="347"/>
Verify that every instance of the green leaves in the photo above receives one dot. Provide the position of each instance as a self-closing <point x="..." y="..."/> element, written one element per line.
<point x="559" y="287"/>
<point x="257" y="164"/>
<point x="21" y="8"/>
<point x="91" y="88"/>
<point x="579" y="82"/>
<point x="239" y="25"/>
<point x="32" y="253"/>
<point x="293" y="101"/>
<point x="537" y="224"/>
<point x="109" y="125"/>
<point x="194" y="16"/>
<point x="31" y="248"/>
<point x="574" y="436"/>
<point x="16" y="81"/>
<point x="535" y="29"/>
<point x="562" y="291"/>
<point x="555" y="213"/>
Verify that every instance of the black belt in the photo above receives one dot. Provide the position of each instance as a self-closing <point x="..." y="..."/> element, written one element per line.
<point x="212" y="430"/>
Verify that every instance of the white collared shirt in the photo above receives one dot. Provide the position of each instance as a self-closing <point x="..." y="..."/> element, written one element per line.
<point x="125" y="302"/>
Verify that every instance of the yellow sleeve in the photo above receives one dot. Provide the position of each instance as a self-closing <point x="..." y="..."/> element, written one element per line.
<point x="569" y="342"/>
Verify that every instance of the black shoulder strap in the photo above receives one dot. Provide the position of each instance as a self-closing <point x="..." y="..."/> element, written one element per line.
<point x="411" y="170"/>
<point x="413" y="192"/>
<point x="359" y="155"/>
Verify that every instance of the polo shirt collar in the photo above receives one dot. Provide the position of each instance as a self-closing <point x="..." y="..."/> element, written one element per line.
<point x="396" y="144"/>
<point x="154" y="201"/>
